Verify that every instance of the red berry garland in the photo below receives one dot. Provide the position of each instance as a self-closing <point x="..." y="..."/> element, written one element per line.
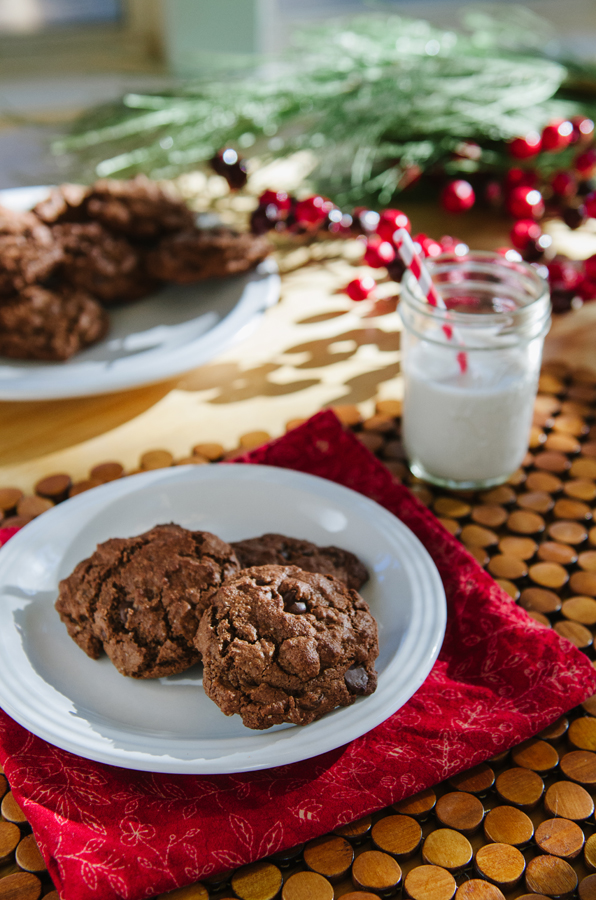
<point x="525" y="202"/>
<point x="557" y="136"/>
<point x="360" y="288"/>
<point x="525" y="147"/>
<point x="457" y="196"/>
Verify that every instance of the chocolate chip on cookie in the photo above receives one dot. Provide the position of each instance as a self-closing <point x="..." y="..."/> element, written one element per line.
<point x="140" y="599"/>
<point x="283" y="645"/>
<point x="279" y="550"/>
<point x="196" y="254"/>
<point x="107" y="265"/>
<point x="42" y="324"/>
<point x="28" y="252"/>
<point x="139" y="208"/>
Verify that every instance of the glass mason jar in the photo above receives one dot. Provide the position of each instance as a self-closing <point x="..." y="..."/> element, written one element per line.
<point x="471" y="370"/>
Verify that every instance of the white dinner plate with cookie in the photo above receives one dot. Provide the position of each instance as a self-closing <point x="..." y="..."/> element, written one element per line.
<point x="84" y="705"/>
<point x="176" y="329"/>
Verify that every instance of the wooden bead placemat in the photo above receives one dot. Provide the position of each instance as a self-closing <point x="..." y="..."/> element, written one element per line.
<point x="520" y="825"/>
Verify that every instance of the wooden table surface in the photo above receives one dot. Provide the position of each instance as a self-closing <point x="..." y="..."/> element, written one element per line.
<point x="315" y="348"/>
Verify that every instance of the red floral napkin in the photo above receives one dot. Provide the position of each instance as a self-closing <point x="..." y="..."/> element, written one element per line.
<point x="109" y="833"/>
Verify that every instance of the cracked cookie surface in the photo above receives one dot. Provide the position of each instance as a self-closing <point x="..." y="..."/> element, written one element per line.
<point x="279" y="550"/>
<point x="139" y="208"/>
<point x="197" y="254"/>
<point x="140" y="599"/>
<point x="283" y="645"/>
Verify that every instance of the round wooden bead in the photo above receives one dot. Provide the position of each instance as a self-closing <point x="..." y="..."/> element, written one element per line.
<point x="355" y="831"/>
<point x="520" y="787"/>
<point x="587" y="560"/>
<point x="31" y="507"/>
<point x="551" y="461"/>
<point x="552" y="876"/>
<point x="519" y="476"/>
<point x="589" y="705"/>
<point x="429" y="883"/>
<point x="587" y="888"/>
<point x="259" y="881"/>
<point x="359" y="895"/>
<point x="10" y="835"/>
<point x="548" y="574"/>
<point x="479" y="554"/>
<point x="253" y="439"/>
<point x="389" y="407"/>
<point x="580" y="609"/>
<point x="569" y="801"/>
<point x="522" y="547"/>
<point x="500" y="863"/>
<point x="540" y="600"/>
<point x="580" y="489"/>
<point x="286" y="857"/>
<point x="477" y="536"/>
<point x="210" y="451"/>
<point x="450" y="525"/>
<point x="508" y="825"/>
<point x="554" y="552"/>
<point x="107" y="471"/>
<point x="580" y="766"/>
<point x="460" y="810"/>
<point x="560" y="837"/>
<point x="538" y="501"/>
<point x="476" y="889"/>
<point x="347" y="413"/>
<point x="11" y="810"/>
<point x="500" y="495"/>
<point x="578" y="634"/>
<point x="376" y="872"/>
<point x="307" y="886"/>
<point x="583" y="583"/>
<point x="3" y="785"/>
<point x="562" y="443"/>
<point x="9" y="497"/>
<point x="544" y="481"/>
<point x="540" y="618"/>
<point x="582" y="733"/>
<point x="536" y="755"/>
<point x="195" y="891"/>
<point x="489" y="516"/>
<point x="400" y="836"/>
<point x="523" y="521"/>
<point x="54" y="487"/>
<point x="545" y="403"/>
<point x="574" y="425"/>
<point x="511" y="567"/>
<point x="478" y="780"/>
<point x="447" y="848"/>
<point x="567" y="532"/>
<point x="555" y="732"/>
<point x="329" y="856"/>
<point x="572" y="509"/>
<point x="452" y="507"/>
<point x="28" y="857"/>
<point x="156" y="459"/>
<point x="590" y="853"/>
<point x="509" y="587"/>
<point x="418" y="805"/>
<point x="583" y="468"/>
<point x="20" y="886"/>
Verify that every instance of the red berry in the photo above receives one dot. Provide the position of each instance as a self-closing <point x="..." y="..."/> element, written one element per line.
<point x="557" y="135"/>
<point x="231" y="166"/>
<point x="366" y="219"/>
<point x="378" y="253"/>
<point x="360" y="288"/>
<point x="428" y="245"/>
<point x="312" y="211"/>
<point x="389" y="221"/>
<point x="524" y="231"/>
<point x="590" y="205"/>
<point x="525" y="147"/>
<point x="586" y="163"/>
<point x="583" y="129"/>
<point x="587" y="289"/>
<point x="457" y="196"/>
<point x="574" y="217"/>
<point x="564" y="184"/>
<point x="563" y="275"/>
<point x="590" y="268"/>
<point x="509" y="254"/>
<point x="276" y="198"/>
<point x="524" y="202"/>
<point x="519" y="178"/>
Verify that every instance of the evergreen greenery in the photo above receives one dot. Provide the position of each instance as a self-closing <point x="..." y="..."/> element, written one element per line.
<point x="377" y="99"/>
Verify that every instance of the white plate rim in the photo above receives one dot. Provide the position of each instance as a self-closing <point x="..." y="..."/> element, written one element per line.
<point x="30" y="383"/>
<point x="407" y="670"/>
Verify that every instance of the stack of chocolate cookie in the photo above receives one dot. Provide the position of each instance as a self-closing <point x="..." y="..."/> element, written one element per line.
<point x="85" y="249"/>
<point x="278" y="623"/>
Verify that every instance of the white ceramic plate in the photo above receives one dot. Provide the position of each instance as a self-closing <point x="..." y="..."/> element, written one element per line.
<point x="51" y="687"/>
<point x="176" y="329"/>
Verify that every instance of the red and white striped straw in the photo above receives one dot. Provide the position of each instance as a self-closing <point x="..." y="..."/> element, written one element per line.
<point x="412" y="261"/>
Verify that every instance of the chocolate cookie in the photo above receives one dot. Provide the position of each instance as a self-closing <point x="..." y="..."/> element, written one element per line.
<point x="65" y="203"/>
<point x="28" y="253"/>
<point x="279" y="550"/>
<point x="139" y="208"/>
<point x="196" y="254"/>
<point x="42" y="324"/>
<point x="106" y="265"/>
<point x="283" y="645"/>
<point x="140" y="599"/>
